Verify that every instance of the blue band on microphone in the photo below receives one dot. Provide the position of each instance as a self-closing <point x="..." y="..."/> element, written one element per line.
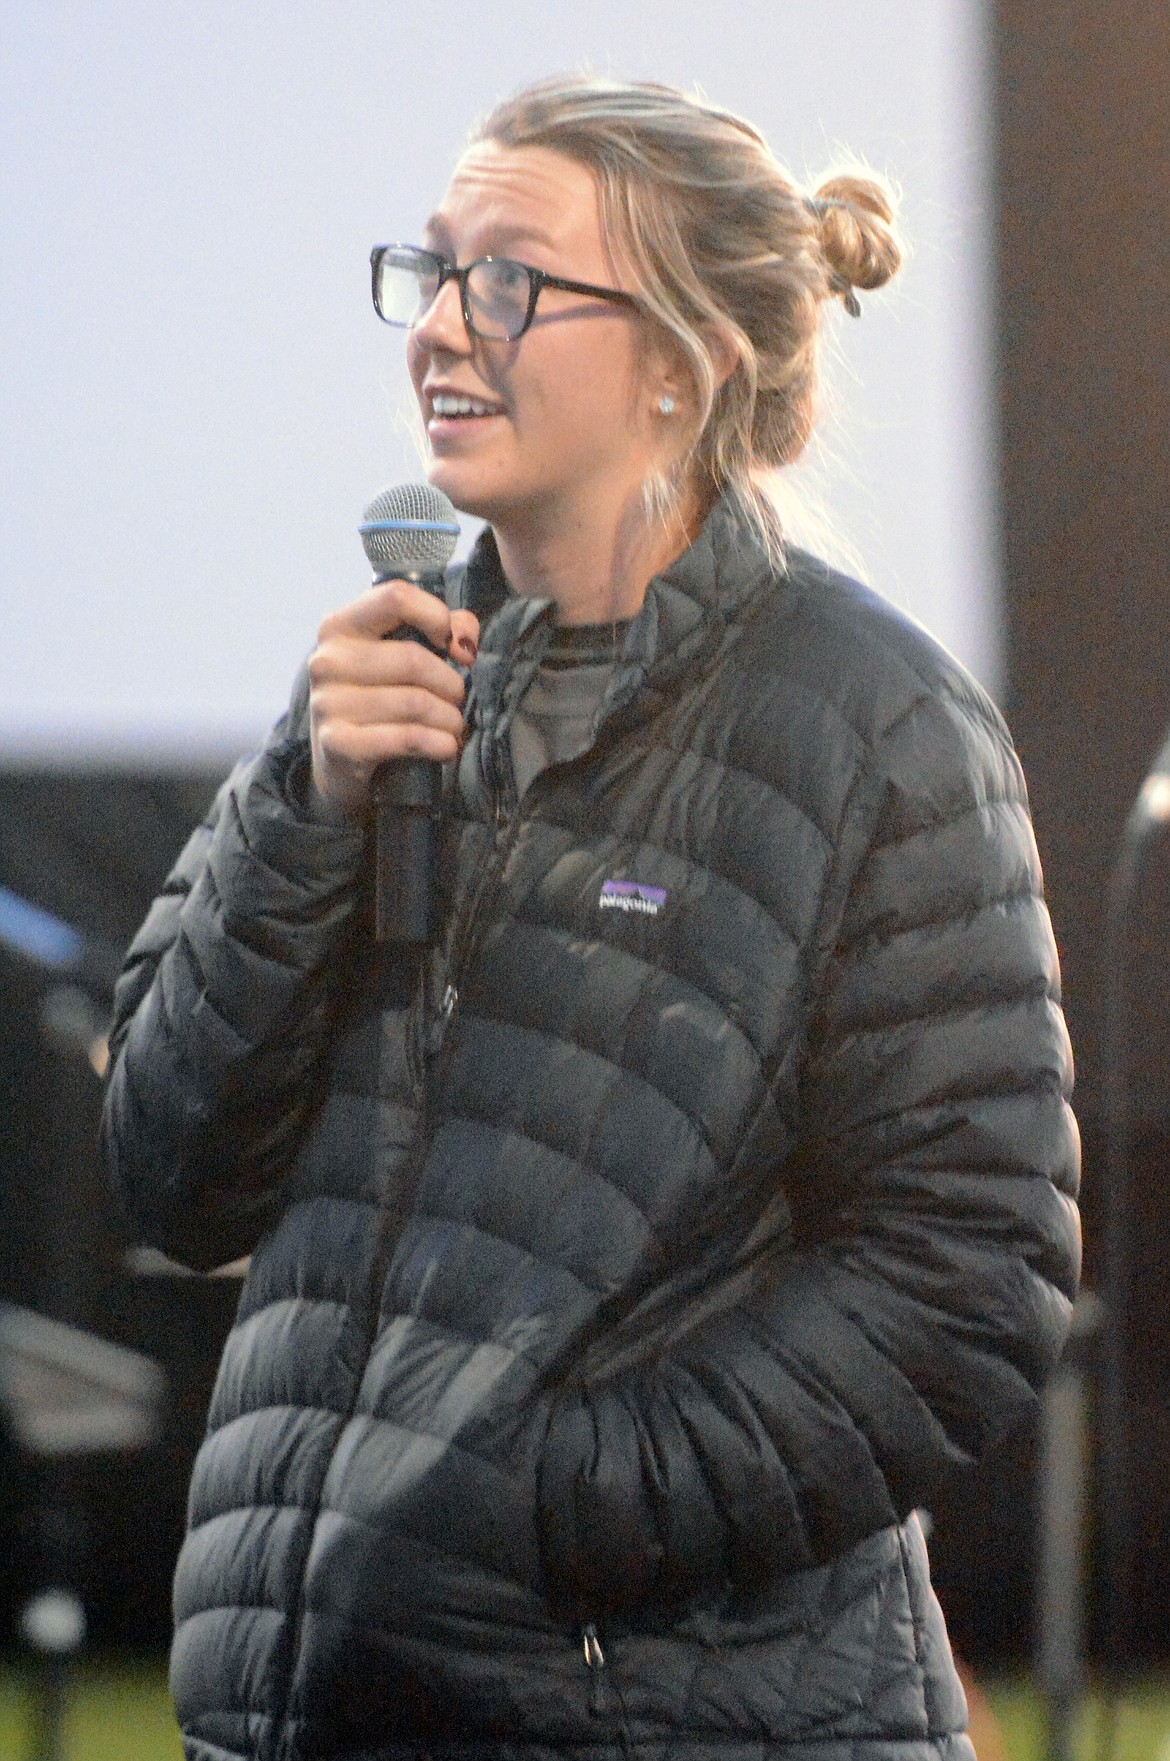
<point x="409" y="526"/>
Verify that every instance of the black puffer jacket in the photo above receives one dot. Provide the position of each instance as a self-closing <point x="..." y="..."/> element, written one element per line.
<point x="615" y="1303"/>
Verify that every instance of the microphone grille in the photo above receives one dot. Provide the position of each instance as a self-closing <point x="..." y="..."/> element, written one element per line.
<point x="408" y="530"/>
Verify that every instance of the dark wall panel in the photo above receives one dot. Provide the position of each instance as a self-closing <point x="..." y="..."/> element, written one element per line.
<point x="1083" y="97"/>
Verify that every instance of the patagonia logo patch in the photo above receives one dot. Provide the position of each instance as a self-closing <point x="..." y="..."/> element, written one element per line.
<point x="624" y="895"/>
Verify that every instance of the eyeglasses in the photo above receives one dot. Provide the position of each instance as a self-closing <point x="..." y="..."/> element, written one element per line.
<point x="498" y="295"/>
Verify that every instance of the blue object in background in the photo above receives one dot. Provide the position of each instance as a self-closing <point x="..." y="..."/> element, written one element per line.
<point x="27" y="929"/>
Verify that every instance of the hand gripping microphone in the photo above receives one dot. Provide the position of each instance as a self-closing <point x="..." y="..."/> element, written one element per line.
<point x="409" y="534"/>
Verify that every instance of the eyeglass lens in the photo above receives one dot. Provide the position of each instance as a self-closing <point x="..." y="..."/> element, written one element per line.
<point x="498" y="292"/>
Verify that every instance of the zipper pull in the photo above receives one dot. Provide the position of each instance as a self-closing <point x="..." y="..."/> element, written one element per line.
<point x="595" y="1664"/>
<point x="437" y="1032"/>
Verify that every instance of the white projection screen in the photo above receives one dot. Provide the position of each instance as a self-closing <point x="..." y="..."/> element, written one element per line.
<point x="198" y="399"/>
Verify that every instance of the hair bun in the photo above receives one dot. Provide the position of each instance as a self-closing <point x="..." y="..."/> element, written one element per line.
<point x="861" y="245"/>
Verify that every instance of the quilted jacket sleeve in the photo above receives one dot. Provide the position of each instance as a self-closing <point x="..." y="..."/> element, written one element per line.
<point x="222" y="1010"/>
<point x="926" y="1287"/>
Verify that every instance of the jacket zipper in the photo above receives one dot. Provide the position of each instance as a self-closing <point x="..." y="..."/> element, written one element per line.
<point x="437" y="1042"/>
<point x="462" y="944"/>
<point x="386" y="1235"/>
<point x="601" y="1681"/>
<point x="436" y="1034"/>
<point x="595" y="1664"/>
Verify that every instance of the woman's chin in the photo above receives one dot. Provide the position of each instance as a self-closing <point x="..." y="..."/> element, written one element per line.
<point x="465" y="487"/>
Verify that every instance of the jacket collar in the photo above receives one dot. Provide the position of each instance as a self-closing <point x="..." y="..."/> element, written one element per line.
<point x="708" y="583"/>
<point x="685" y="615"/>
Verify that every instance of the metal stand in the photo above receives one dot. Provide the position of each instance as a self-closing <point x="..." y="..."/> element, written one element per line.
<point x="1065" y="1452"/>
<point x="52" y="1624"/>
<point x="1147" y="819"/>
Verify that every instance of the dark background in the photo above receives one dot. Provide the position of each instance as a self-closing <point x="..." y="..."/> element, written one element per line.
<point x="1083" y="129"/>
<point x="1083" y="261"/>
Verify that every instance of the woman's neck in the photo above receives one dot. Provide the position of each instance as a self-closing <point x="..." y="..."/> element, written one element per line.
<point x="596" y="567"/>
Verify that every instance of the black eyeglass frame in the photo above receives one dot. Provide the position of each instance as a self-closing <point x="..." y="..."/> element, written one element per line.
<point x="538" y="280"/>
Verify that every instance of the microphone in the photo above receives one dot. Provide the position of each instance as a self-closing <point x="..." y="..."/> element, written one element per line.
<point x="409" y="534"/>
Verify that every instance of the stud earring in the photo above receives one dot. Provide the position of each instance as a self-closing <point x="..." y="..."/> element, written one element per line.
<point x="666" y="404"/>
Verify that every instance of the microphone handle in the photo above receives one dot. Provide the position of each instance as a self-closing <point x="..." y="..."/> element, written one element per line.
<point x="407" y="800"/>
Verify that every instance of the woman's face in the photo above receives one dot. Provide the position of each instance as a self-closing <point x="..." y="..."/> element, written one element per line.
<point x="566" y="420"/>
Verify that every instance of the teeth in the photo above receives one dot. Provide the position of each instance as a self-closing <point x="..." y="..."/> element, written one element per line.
<point x="443" y="404"/>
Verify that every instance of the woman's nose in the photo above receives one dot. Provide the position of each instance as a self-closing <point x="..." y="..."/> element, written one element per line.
<point x="442" y="325"/>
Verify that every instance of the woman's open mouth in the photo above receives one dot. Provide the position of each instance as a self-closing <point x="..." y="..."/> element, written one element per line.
<point x="446" y="407"/>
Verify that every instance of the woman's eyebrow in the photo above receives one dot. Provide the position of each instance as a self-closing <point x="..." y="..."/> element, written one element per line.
<point x="505" y="236"/>
<point x="524" y="233"/>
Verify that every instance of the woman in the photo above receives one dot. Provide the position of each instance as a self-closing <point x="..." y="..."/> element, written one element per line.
<point x="620" y="1287"/>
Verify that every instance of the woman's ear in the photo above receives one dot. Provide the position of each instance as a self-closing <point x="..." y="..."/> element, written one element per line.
<point x="673" y="376"/>
<point x="724" y="349"/>
<point x="666" y="379"/>
<point x="670" y="378"/>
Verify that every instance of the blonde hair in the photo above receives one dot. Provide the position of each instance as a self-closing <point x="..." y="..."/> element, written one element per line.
<point x="724" y="244"/>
